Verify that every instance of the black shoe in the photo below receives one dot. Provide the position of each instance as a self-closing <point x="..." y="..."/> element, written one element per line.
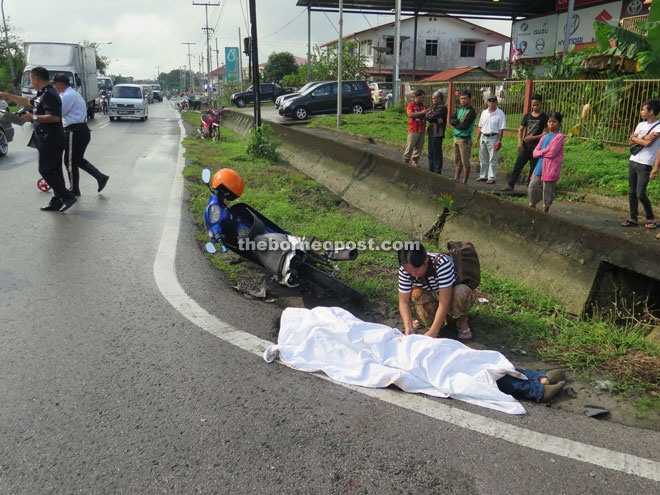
<point x="102" y="182"/>
<point x="75" y="193"/>
<point x="52" y="206"/>
<point x="68" y="204"/>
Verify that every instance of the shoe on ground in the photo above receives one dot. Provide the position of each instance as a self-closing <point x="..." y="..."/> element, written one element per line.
<point x="480" y="179"/>
<point x="507" y="188"/>
<point x="76" y="192"/>
<point x="551" y="391"/>
<point x="68" y="204"/>
<point x="102" y="182"/>
<point x="490" y="181"/>
<point x="52" y="206"/>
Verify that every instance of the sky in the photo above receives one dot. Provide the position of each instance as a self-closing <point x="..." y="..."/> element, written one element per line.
<point x="147" y="35"/>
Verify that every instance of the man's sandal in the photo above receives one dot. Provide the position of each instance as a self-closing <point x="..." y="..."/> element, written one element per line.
<point x="652" y="225"/>
<point x="629" y="223"/>
<point x="464" y="334"/>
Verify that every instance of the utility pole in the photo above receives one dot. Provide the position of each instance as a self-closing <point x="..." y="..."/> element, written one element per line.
<point x="255" y="64"/>
<point x="11" y="62"/>
<point x="340" y="63"/>
<point x="208" y="36"/>
<point x="189" y="65"/>
<point x="240" y="60"/>
<point x="217" y="59"/>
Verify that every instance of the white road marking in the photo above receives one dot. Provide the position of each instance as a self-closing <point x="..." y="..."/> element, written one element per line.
<point x="168" y="284"/>
<point x="103" y="125"/>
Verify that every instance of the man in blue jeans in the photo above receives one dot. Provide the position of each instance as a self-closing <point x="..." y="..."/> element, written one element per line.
<point x="641" y="162"/>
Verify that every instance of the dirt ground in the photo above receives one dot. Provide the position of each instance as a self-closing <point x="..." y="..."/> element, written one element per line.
<point x="579" y="392"/>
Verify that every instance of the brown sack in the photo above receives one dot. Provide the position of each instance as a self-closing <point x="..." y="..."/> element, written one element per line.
<point x="466" y="262"/>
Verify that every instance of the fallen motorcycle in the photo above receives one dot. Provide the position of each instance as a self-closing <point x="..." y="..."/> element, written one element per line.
<point x="289" y="259"/>
<point x="210" y="123"/>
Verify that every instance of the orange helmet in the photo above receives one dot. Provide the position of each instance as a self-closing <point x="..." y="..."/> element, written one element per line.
<point x="227" y="183"/>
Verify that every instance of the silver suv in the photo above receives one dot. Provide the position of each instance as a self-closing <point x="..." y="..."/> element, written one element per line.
<point x="379" y="92"/>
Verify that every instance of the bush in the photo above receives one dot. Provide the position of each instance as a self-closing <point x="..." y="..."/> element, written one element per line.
<point x="260" y="144"/>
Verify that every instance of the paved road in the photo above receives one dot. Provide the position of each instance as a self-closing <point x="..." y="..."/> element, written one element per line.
<point x="109" y="387"/>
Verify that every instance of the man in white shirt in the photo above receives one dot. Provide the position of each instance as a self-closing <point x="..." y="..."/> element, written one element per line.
<point x="489" y="140"/>
<point x="74" y="119"/>
<point x="641" y="163"/>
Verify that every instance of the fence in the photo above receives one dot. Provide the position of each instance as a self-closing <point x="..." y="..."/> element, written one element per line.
<point x="592" y="109"/>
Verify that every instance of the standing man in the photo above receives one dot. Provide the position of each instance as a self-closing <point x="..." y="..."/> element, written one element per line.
<point x="48" y="136"/>
<point x="641" y="163"/>
<point x="76" y="132"/>
<point x="416" y="111"/>
<point x="463" y="122"/>
<point x="489" y="140"/>
<point x="437" y="119"/>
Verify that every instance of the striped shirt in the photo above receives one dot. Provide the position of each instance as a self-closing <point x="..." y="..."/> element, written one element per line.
<point x="445" y="275"/>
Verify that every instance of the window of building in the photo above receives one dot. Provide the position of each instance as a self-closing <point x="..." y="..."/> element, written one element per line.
<point x="468" y="48"/>
<point x="431" y="48"/>
<point x="390" y="45"/>
<point x="369" y="50"/>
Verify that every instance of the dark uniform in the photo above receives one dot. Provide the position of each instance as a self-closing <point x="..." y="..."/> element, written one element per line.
<point x="50" y="144"/>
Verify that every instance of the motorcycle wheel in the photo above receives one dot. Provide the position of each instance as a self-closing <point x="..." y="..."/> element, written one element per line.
<point x="324" y="284"/>
<point x="215" y="135"/>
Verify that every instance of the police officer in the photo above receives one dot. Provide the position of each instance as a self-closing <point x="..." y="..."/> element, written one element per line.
<point x="48" y="136"/>
<point x="76" y="132"/>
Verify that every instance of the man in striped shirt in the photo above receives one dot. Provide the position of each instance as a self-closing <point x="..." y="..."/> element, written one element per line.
<point x="426" y="288"/>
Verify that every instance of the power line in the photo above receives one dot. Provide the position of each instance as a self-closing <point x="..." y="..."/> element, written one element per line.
<point x="280" y="29"/>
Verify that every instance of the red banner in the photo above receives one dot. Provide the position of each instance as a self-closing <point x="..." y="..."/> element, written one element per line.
<point x="563" y="4"/>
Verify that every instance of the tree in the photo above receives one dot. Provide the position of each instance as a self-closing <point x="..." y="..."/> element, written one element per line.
<point x="279" y="65"/>
<point x="17" y="56"/>
<point x="325" y="66"/>
<point x="101" y="61"/>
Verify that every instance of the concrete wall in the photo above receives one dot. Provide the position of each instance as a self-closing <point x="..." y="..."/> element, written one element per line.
<point x="512" y="240"/>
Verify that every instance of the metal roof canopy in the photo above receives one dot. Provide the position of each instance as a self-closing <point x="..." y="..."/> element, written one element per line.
<point x="501" y="8"/>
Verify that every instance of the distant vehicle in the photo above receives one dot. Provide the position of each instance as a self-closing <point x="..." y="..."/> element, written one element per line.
<point x="105" y="81"/>
<point x="356" y="98"/>
<point x="158" y="93"/>
<point x="494" y="90"/>
<point x="281" y="99"/>
<point x="148" y="92"/>
<point x="128" y="101"/>
<point x="76" y="61"/>
<point x="379" y="92"/>
<point x="6" y="131"/>
<point x="267" y="92"/>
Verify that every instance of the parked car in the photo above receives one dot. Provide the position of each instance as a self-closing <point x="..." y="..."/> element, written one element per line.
<point x="267" y="92"/>
<point x="148" y="92"/>
<point x="379" y="92"/>
<point x="281" y="99"/>
<point x="356" y="98"/>
<point x="6" y="131"/>
<point x="129" y="100"/>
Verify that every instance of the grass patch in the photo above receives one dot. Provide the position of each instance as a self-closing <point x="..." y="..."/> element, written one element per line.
<point x="589" y="166"/>
<point x="516" y="315"/>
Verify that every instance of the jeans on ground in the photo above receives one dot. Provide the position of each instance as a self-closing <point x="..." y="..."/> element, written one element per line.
<point x="524" y="156"/>
<point x="488" y="157"/>
<point x="526" y="389"/>
<point x="638" y="179"/>
<point x="435" y="154"/>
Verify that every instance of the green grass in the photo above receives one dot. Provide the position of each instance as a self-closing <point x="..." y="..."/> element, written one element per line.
<point x="589" y="166"/>
<point x="515" y="315"/>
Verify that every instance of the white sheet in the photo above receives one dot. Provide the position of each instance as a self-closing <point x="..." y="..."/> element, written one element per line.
<point x="352" y="351"/>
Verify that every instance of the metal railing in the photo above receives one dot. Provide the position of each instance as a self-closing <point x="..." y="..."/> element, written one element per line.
<point x="630" y="23"/>
<point x="592" y="109"/>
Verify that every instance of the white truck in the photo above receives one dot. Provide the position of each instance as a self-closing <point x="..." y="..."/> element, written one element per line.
<point x="76" y="61"/>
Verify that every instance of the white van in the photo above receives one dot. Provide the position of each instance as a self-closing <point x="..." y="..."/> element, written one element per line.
<point x="128" y="102"/>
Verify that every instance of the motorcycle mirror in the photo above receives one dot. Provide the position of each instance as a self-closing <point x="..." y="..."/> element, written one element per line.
<point x="206" y="175"/>
<point x="210" y="248"/>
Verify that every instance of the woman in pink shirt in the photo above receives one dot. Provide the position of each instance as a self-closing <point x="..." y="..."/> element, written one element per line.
<point x="550" y="152"/>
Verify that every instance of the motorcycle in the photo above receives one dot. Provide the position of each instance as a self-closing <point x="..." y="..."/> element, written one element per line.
<point x="210" y="123"/>
<point x="104" y="103"/>
<point x="183" y="105"/>
<point x="289" y="259"/>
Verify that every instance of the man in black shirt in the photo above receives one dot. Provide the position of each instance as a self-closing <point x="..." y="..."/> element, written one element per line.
<point x="531" y="130"/>
<point x="48" y="136"/>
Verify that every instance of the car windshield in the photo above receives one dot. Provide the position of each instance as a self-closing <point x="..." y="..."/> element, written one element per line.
<point x="310" y="87"/>
<point x="156" y="87"/>
<point x="384" y="85"/>
<point x="26" y="78"/>
<point x="126" y="92"/>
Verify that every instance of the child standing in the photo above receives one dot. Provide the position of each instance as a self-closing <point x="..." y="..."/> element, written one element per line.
<point x="550" y="152"/>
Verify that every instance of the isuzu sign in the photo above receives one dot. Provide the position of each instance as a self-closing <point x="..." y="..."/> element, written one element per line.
<point x="535" y="38"/>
